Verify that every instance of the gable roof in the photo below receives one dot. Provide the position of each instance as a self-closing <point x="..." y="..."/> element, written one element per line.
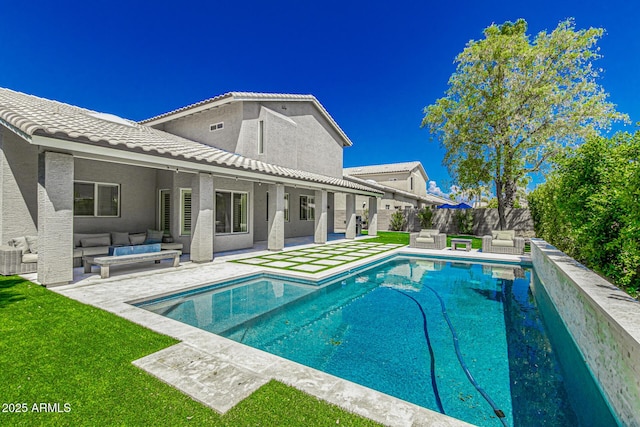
<point x="246" y="96"/>
<point x="429" y="198"/>
<point x="32" y="117"/>
<point x="386" y="168"/>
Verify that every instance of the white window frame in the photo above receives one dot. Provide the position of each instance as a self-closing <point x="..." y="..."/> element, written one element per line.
<point x="233" y="192"/>
<point x="183" y="230"/>
<point x="309" y="210"/>
<point x="96" y="185"/>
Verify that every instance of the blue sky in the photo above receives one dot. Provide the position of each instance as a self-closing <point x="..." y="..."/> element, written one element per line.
<point x="373" y="65"/>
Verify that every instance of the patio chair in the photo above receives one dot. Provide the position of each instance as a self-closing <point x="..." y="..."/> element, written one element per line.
<point x="428" y="239"/>
<point x="503" y="242"/>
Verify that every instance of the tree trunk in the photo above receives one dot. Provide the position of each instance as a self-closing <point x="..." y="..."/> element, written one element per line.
<point x="501" y="201"/>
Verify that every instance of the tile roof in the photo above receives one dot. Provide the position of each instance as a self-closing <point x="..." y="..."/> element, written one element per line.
<point x="386" y="168"/>
<point x="29" y="115"/>
<point x="247" y="96"/>
<point x="430" y="198"/>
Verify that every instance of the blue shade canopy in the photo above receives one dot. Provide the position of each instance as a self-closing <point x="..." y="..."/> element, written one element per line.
<point x="458" y="206"/>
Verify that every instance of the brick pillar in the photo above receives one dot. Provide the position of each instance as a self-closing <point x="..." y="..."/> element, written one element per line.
<point x="373" y="216"/>
<point x="202" y="218"/>
<point x="350" y="216"/>
<point x="275" y="241"/>
<point x="55" y="218"/>
<point x="320" y="236"/>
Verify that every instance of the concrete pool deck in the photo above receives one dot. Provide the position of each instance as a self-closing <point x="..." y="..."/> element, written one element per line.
<point x="220" y="372"/>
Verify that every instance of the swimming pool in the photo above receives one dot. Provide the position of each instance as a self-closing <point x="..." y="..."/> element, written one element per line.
<point x="468" y="340"/>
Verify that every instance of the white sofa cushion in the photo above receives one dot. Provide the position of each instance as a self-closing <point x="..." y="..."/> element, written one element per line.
<point x="28" y="258"/>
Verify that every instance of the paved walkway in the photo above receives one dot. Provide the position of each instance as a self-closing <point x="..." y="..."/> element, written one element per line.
<point x="320" y="257"/>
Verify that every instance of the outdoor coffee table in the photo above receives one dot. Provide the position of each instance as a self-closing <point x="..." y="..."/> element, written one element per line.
<point x="461" y="242"/>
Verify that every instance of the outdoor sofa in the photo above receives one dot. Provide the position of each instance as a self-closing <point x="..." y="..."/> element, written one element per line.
<point x="20" y="255"/>
<point x="503" y="242"/>
<point x="428" y="239"/>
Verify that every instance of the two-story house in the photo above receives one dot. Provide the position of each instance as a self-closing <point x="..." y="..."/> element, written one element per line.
<point x="404" y="186"/>
<point x="217" y="175"/>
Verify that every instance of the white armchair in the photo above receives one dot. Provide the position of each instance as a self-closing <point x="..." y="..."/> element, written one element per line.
<point x="428" y="239"/>
<point x="503" y="242"/>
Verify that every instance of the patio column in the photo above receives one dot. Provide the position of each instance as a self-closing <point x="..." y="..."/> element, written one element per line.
<point x="275" y="241"/>
<point x="372" y="220"/>
<point x="350" y="212"/>
<point x="202" y="197"/>
<point x="320" y="217"/>
<point x="55" y="218"/>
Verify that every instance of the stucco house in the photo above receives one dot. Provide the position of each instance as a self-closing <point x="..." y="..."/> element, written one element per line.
<point x="217" y="175"/>
<point x="404" y="186"/>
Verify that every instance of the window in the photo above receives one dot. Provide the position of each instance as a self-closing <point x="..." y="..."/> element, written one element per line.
<point x="164" y="220"/>
<point x="216" y="126"/>
<point x="96" y="199"/>
<point x="411" y="183"/>
<point x="232" y="212"/>
<point x="286" y="207"/>
<point x="185" y="211"/>
<point x="307" y="208"/>
<point x="387" y="206"/>
<point x="261" y="137"/>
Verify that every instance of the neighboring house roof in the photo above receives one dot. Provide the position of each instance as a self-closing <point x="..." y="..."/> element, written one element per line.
<point x="30" y="117"/>
<point x="386" y="168"/>
<point x="429" y="198"/>
<point x="246" y="96"/>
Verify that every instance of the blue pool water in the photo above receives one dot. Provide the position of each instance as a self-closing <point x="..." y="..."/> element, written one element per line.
<point x="467" y="340"/>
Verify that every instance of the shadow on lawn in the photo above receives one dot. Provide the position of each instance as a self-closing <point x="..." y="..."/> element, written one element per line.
<point x="7" y="295"/>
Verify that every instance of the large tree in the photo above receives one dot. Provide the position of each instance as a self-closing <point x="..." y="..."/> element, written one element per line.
<point x="512" y="105"/>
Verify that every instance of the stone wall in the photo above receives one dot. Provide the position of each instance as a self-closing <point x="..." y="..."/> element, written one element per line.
<point x="603" y="321"/>
<point x="484" y="220"/>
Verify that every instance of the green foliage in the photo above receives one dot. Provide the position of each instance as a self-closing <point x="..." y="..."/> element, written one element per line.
<point x="397" y="222"/>
<point x="514" y="104"/>
<point x="57" y="350"/>
<point x="464" y="220"/>
<point x="589" y="208"/>
<point x="425" y="216"/>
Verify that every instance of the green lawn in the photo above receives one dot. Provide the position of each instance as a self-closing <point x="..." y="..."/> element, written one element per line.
<point x="403" y="238"/>
<point x="56" y="350"/>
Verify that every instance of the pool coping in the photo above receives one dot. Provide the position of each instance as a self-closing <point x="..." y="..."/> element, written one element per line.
<point x="219" y="372"/>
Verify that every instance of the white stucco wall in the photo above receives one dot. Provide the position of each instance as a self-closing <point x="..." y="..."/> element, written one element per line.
<point x="296" y="135"/>
<point x="18" y="187"/>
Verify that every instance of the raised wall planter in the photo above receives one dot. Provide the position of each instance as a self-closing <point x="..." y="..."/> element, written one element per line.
<point x="603" y="320"/>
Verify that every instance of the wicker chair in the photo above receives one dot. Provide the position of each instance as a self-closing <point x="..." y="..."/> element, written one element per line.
<point x="428" y="239"/>
<point x="503" y="242"/>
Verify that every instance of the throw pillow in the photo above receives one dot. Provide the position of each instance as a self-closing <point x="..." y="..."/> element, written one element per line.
<point x="137" y="239"/>
<point x="154" y="236"/>
<point x="504" y="236"/>
<point x="90" y="242"/>
<point x="32" y="241"/>
<point x="120" y="239"/>
<point x="20" y="243"/>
